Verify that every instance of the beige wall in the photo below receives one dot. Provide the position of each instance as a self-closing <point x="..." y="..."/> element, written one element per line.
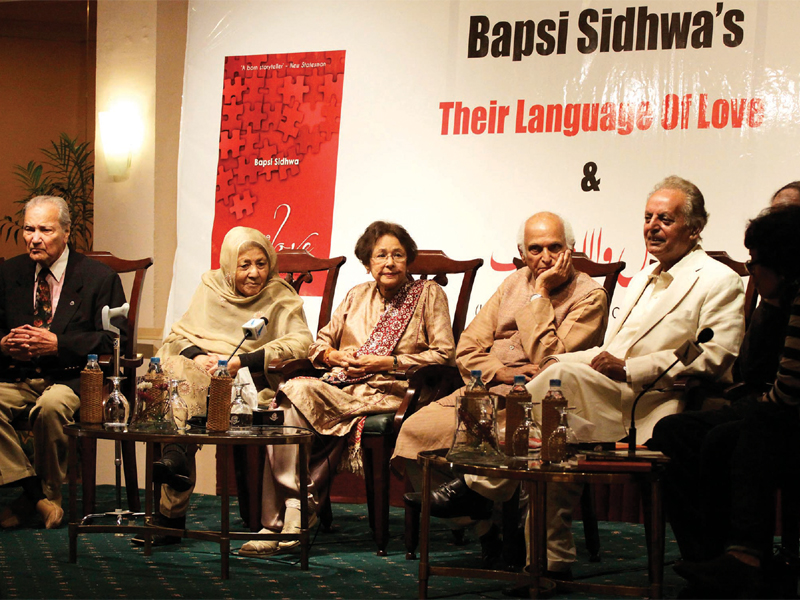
<point x="140" y="57"/>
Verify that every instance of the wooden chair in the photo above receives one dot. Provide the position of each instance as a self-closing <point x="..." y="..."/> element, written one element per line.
<point x="129" y="362"/>
<point x="425" y="384"/>
<point x="298" y="267"/>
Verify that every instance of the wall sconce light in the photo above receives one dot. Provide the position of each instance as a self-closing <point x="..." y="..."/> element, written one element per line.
<point x="121" y="131"/>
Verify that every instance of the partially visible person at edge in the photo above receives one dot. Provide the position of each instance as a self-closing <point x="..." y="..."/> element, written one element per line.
<point x="389" y="323"/>
<point x="51" y="303"/>
<point x="544" y="308"/>
<point x="246" y="286"/>
<point x="727" y="463"/>
<point x="788" y="194"/>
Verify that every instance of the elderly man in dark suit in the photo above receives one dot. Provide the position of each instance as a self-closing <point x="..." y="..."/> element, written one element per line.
<point x="51" y="302"/>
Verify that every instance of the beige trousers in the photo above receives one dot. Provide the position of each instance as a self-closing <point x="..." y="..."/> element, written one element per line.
<point x="53" y="406"/>
<point x="281" y="484"/>
<point x="561" y="498"/>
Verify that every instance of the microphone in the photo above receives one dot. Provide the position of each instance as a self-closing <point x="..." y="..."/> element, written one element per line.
<point x="685" y="354"/>
<point x="109" y="313"/>
<point x="254" y="329"/>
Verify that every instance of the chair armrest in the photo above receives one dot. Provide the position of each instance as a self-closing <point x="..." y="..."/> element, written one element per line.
<point x="131" y="363"/>
<point x="426" y="383"/>
<point x="401" y="374"/>
<point x="294" y="367"/>
<point x="106" y="361"/>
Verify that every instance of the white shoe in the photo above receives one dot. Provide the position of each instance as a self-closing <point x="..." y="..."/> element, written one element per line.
<point x="260" y="548"/>
<point x="291" y="524"/>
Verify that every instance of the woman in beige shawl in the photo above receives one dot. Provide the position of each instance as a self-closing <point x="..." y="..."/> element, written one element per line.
<point x="246" y="286"/>
<point x="389" y="323"/>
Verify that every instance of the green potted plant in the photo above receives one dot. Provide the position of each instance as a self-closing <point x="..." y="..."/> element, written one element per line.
<point x="66" y="171"/>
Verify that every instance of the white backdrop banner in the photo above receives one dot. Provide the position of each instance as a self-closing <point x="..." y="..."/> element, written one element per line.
<point x="460" y="119"/>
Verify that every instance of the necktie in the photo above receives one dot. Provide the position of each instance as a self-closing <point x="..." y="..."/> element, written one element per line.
<point x="43" y="310"/>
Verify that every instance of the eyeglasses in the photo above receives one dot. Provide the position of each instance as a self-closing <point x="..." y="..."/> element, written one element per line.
<point x="384" y="258"/>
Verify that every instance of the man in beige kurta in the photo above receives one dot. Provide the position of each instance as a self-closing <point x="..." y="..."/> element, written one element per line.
<point x="544" y="308"/>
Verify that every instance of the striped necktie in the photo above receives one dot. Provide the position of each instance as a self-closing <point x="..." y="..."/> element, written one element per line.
<point x="43" y="310"/>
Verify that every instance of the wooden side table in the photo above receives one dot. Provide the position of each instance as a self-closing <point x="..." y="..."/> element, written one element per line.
<point x="646" y="471"/>
<point x="258" y="436"/>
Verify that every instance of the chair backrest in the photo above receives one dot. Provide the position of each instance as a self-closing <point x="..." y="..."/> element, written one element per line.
<point x="609" y="271"/>
<point x="298" y="267"/>
<point x="139" y="268"/>
<point x="436" y="265"/>
<point x="751" y="293"/>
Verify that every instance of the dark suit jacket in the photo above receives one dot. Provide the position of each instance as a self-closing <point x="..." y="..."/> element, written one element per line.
<point x="89" y="285"/>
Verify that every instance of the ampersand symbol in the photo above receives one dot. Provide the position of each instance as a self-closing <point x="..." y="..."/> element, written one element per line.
<point x="589" y="183"/>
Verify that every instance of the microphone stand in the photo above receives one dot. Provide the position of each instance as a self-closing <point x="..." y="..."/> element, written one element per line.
<point x="645" y="389"/>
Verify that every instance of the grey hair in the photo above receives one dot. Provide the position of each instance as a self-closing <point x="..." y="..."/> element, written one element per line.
<point x="694" y="208"/>
<point x="569" y="236"/>
<point x="63" y="210"/>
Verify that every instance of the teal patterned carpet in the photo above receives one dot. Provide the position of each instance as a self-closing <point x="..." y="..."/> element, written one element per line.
<point x="34" y="562"/>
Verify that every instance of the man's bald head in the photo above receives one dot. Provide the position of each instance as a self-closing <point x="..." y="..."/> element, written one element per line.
<point x="547" y="219"/>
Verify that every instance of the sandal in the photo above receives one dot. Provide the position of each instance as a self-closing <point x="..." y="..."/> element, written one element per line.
<point x="260" y="548"/>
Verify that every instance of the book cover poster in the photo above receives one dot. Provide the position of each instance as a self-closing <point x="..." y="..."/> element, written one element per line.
<point x="278" y="146"/>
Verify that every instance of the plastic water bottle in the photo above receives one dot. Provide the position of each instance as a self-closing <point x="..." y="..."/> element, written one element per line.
<point x="475" y="382"/>
<point x="553" y="400"/>
<point x="516" y="443"/>
<point x="219" y="399"/>
<point x="222" y="368"/>
<point x="154" y="368"/>
<point x="91" y="391"/>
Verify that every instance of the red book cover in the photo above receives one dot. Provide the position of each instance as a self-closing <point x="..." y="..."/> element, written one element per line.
<point x="278" y="147"/>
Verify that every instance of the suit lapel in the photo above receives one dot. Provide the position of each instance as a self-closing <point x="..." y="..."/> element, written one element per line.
<point x="672" y="296"/>
<point x="634" y="293"/>
<point x="70" y="299"/>
<point x="25" y="284"/>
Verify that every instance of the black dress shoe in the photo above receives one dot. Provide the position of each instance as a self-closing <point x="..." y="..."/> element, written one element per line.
<point x="173" y="469"/>
<point x="163" y="540"/>
<point x="725" y="574"/>
<point x="455" y="499"/>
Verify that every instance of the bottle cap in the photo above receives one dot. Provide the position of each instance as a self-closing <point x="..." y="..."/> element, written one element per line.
<point x="92" y="357"/>
<point x="222" y="362"/>
<point x="555" y="383"/>
<point x="155" y="360"/>
<point x="519" y="379"/>
<point x="476" y="373"/>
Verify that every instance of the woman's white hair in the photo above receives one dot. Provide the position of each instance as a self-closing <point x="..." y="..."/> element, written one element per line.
<point x="569" y="236"/>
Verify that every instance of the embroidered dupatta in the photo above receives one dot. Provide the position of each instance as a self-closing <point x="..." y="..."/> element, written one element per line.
<point x="387" y="332"/>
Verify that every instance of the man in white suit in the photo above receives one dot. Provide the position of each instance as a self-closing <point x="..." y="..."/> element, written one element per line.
<point x="667" y="303"/>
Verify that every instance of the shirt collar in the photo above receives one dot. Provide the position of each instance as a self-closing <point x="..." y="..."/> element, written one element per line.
<point x="58" y="267"/>
<point x="678" y="267"/>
